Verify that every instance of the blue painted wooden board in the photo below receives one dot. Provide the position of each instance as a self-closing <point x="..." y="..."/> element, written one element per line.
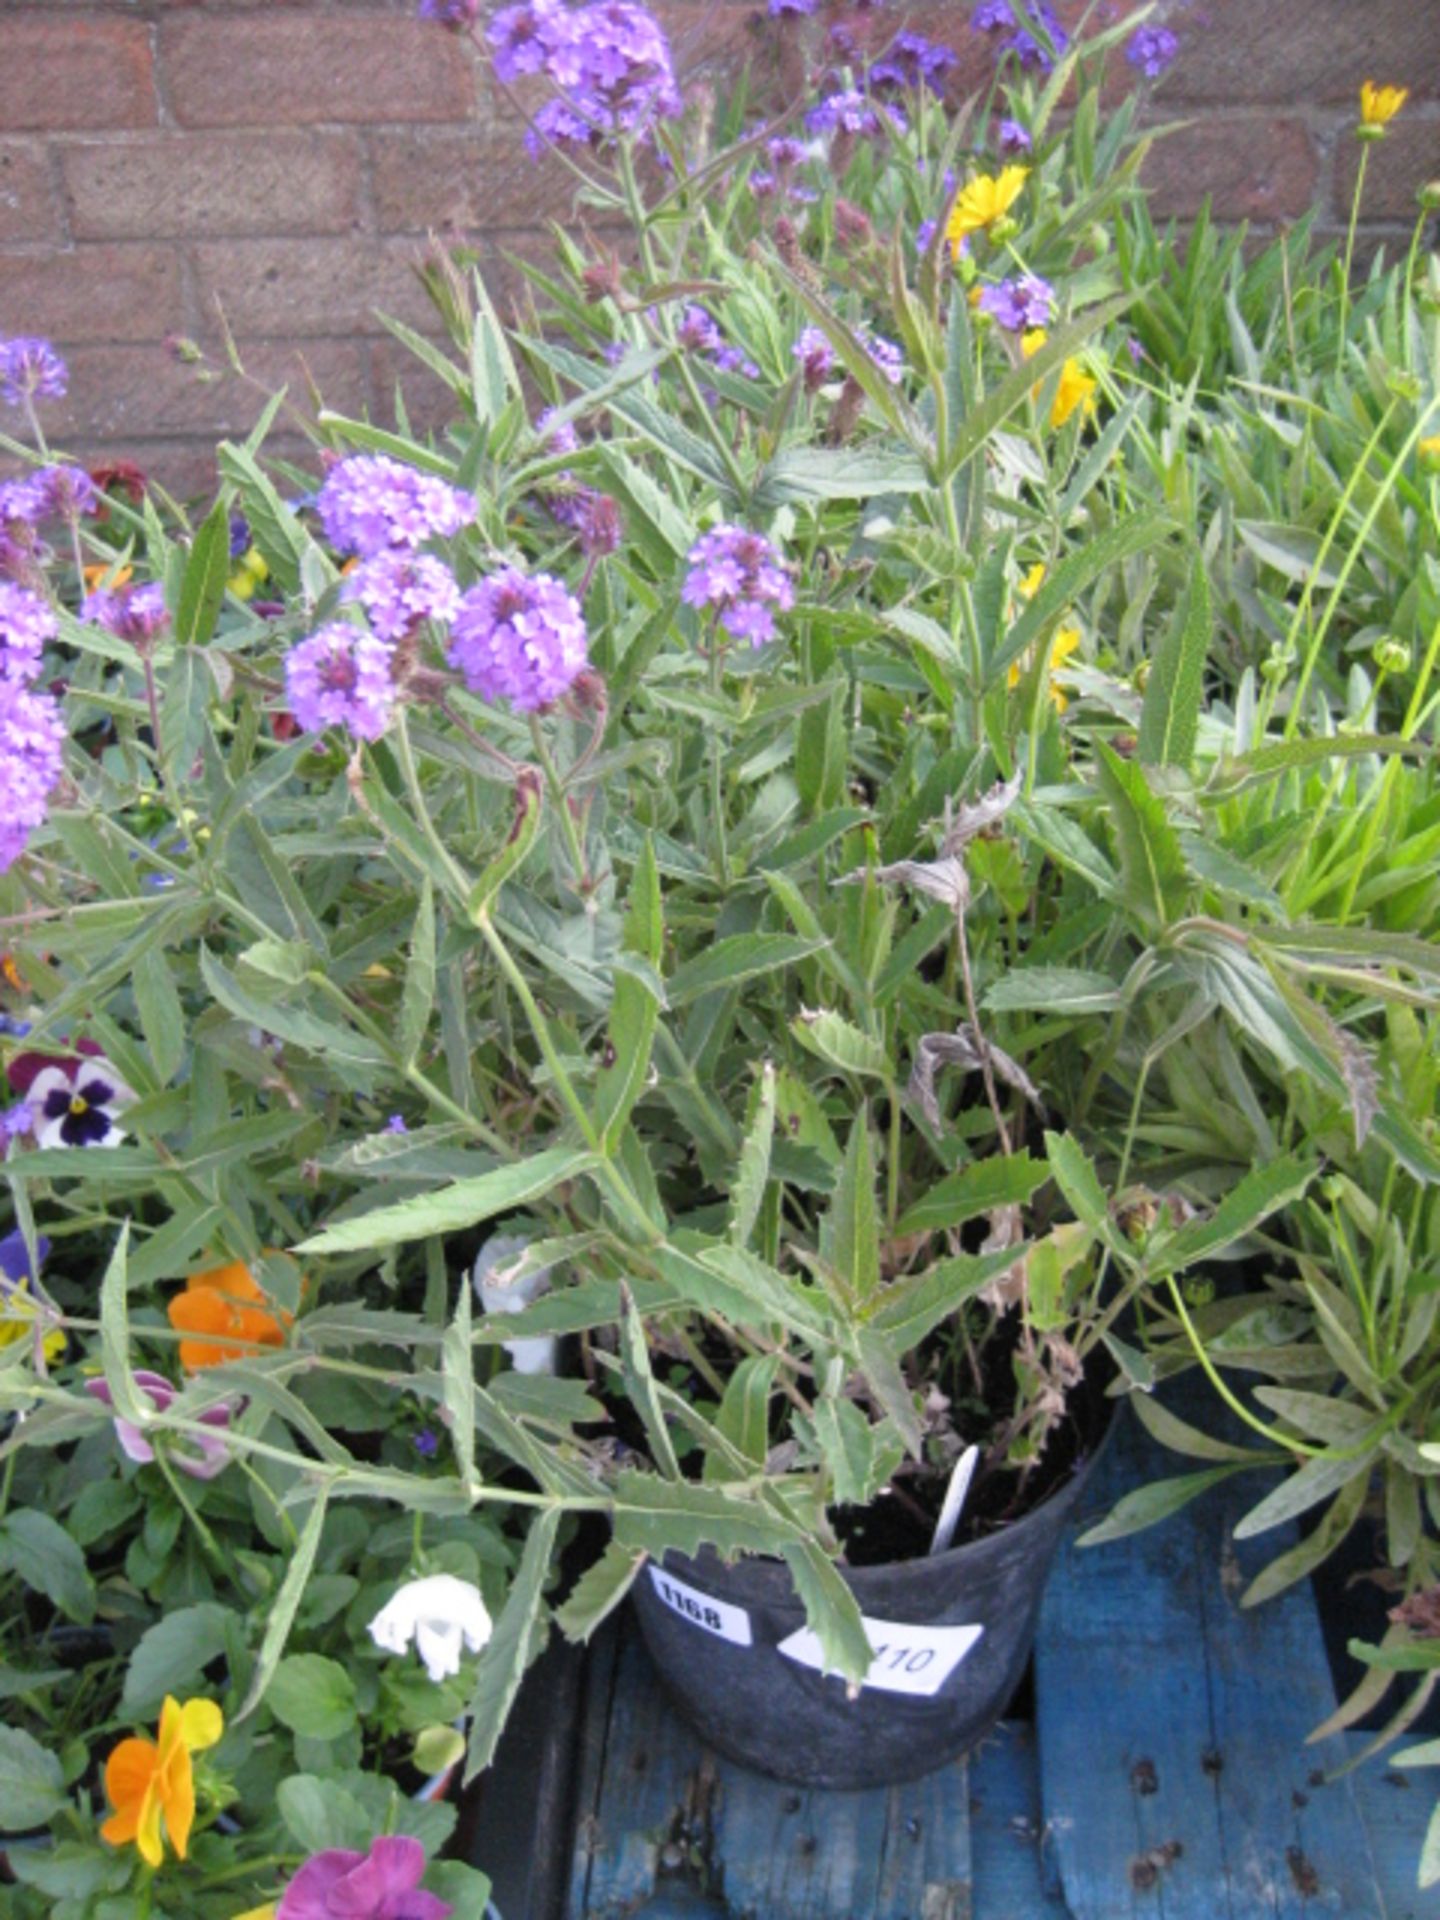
<point x="1175" y="1779"/>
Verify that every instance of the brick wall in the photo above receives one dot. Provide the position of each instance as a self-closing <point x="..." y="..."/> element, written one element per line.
<point x="282" y="161"/>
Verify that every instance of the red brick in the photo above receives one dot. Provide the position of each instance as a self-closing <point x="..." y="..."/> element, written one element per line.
<point x="27" y="203"/>
<point x="92" y="293"/>
<point x="192" y="185"/>
<point x="1303" y="51"/>
<point x="119" y="393"/>
<point x="1400" y="165"/>
<point x="258" y="70"/>
<point x="1250" y="169"/>
<point x="305" y="288"/>
<point x="87" y="70"/>
<point x="459" y="182"/>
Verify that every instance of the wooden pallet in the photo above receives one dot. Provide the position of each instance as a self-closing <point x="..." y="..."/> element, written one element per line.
<point x="1165" y="1775"/>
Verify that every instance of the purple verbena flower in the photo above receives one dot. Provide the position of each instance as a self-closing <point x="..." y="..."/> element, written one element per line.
<point x="32" y="741"/>
<point x="519" y="637"/>
<point x="995" y="16"/>
<point x="17" y="1120"/>
<point x="785" y="151"/>
<point x="427" y="1443"/>
<point x="383" y="1884"/>
<point x="22" y="502"/>
<point x="816" y="357"/>
<point x="556" y="436"/>
<point x="370" y="502"/>
<point x="613" y="62"/>
<point x="529" y="39"/>
<point x="887" y="357"/>
<point x="30" y="369"/>
<point x="27" y="623"/>
<point x="739" y="573"/>
<point x="399" y="589"/>
<point x="456" y="14"/>
<point x="913" y="61"/>
<point x="1011" y="137"/>
<point x="239" y="536"/>
<point x="1152" y="49"/>
<point x="779" y="9"/>
<point x="849" y="111"/>
<point x="133" y="613"/>
<point x="597" y="525"/>
<point x="924" y="234"/>
<point x="1018" y="304"/>
<point x="202" y="1456"/>
<point x="992" y="16"/>
<point x="64" y="491"/>
<point x="762" y="185"/>
<point x="698" y="333"/>
<point x="340" y="677"/>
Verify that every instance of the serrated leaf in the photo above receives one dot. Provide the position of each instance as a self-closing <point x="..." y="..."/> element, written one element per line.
<point x="519" y="1635"/>
<point x="658" y="1516"/>
<point x="743" y="1419"/>
<point x="1078" y="1181"/>
<point x="598" y="1591"/>
<point x="907" y="1310"/>
<point x="1051" y="990"/>
<point x="840" y="1043"/>
<point x="1001" y="1181"/>
<point x="740" y="957"/>
<point x="747" y="1195"/>
<point x="1260" y="1193"/>
<point x="1170" y="715"/>
<point x="1152" y="867"/>
<point x="464" y="1204"/>
<point x="851" y="1239"/>
<point x="280" y="1616"/>
<point x="457" y="1382"/>
<point x="831" y="1612"/>
<point x="880" y="1364"/>
<point x="640" y="1386"/>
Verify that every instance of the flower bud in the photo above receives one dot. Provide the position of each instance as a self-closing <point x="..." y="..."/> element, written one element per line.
<point x="1391" y="655"/>
<point x="1429" y="196"/>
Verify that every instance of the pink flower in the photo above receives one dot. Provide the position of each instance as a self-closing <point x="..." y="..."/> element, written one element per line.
<point x="383" y="1884"/>
<point x="213" y="1455"/>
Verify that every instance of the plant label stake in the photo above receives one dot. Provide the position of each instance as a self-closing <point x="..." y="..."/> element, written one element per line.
<point x="960" y="1478"/>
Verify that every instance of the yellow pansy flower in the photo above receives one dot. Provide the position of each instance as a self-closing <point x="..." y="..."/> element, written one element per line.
<point x="982" y="201"/>
<point x="1076" y="389"/>
<point x="1031" y="342"/>
<point x="1379" y="105"/>
<point x="107" y="575"/>
<point x="1033" y="581"/>
<point x="149" y="1781"/>
<point x="19" y="1312"/>
<point x="250" y="573"/>
<point x="258" y="1913"/>
<point x="1429" y="453"/>
<point x="1064" y="643"/>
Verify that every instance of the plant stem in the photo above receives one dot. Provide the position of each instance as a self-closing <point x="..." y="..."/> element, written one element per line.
<point x="562" y="805"/>
<point x="1355" y="200"/>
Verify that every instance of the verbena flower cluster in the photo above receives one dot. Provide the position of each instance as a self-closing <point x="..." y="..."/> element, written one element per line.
<point x="340" y="677"/>
<point x="912" y="61"/>
<point x="739" y="573"/>
<point x="399" y="589"/>
<point x="32" y="734"/>
<point x="133" y="613"/>
<point x="850" y="111"/>
<point x="370" y="504"/>
<point x="1009" y="17"/>
<point x="1152" y="49"/>
<point x="610" y="61"/>
<point x="519" y="637"/>
<point x="1019" y="304"/>
<point x="30" y="369"/>
<point x="816" y="357"/>
<point x="698" y="333"/>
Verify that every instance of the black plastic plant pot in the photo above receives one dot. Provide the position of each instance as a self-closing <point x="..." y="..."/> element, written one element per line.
<point x="951" y="1634"/>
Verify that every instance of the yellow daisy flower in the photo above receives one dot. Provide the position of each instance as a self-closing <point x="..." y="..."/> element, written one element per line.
<point x="1379" y="105"/>
<point x="1076" y="389"/>
<point x="1065" y="642"/>
<point x="1031" y="342"/>
<point x="1429" y="453"/>
<point x="981" y="202"/>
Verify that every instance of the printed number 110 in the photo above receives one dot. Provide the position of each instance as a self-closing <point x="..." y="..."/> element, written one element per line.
<point x="903" y="1659"/>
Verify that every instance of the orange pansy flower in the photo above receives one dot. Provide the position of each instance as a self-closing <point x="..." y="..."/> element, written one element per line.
<point x="229" y="1313"/>
<point x="145" y="1781"/>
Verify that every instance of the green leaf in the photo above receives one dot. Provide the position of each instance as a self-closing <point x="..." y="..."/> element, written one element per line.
<point x="1308" y="1552"/>
<point x="171" y="1656"/>
<point x="1173" y="692"/>
<point x="457" y="1377"/>
<point x="1320" y="1477"/>
<point x="284" y="1020"/>
<point x="809" y="474"/>
<point x="1152" y="866"/>
<point x="640" y="1386"/>
<point x="635" y="1007"/>
<point x="1293" y="552"/>
<point x="280" y="1615"/>
<point x="840" y="1043"/>
<point x="1052" y="990"/>
<point x="275" y="529"/>
<point x="854" y="1451"/>
<point x="418" y="999"/>
<point x="658" y="1516"/>
<point x="909" y="1309"/>
<point x="529" y="810"/>
<point x="1259" y="1194"/>
<point x="1095" y="556"/>
<point x="1001" y="1181"/>
<point x="771" y="1295"/>
<point x="1181" y="1437"/>
<point x="744" y="1416"/>
<point x="1232" y="777"/>
<point x="42" y="1555"/>
<point x="312" y="1696"/>
<point x="32" y="1785"/>
<point x="851" y="1239"/>
<point x="519" y="1636"/>
<point x="162" y="1017"/>
<point x="1079" y="1182"/>
<point x="321" y="1814"/>
<point x="1149" y="1504"/>
<point x="598" y="1591"/>
<point x="464" y="1204"/>
<point x="831" y="1611"/>
<point x="747" y="1195"/>
<point x="879" y="1362"/>
<point x="740" y="957"/>
<point x="202" y="586"/>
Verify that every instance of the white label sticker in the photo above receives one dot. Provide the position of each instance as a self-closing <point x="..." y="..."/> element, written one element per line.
<point x="703" y="1609"/>
<point x="915" y="1660"/>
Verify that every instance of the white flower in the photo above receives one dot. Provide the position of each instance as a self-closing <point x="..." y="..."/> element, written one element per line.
<point x="74" y="1103"/>
<point x="438" y="1614"/>
<point x="501" y="1292"/>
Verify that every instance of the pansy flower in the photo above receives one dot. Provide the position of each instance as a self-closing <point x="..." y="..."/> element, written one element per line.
<point x="224" y="1315"/>
<point x="20" y="1311"/>
<point x="210" y="1455"/>
<point x="383" y="1884"/>
<point x="73" y="1103"/>
<point x="148" y="1782"/>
